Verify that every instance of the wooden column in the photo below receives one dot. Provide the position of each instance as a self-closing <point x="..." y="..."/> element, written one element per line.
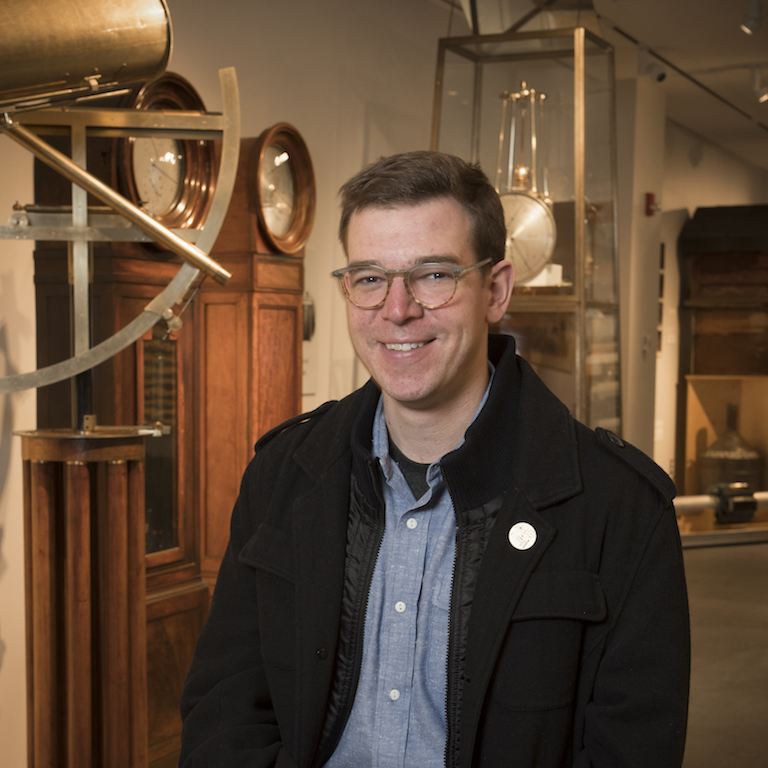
<point x="86" y="599"/>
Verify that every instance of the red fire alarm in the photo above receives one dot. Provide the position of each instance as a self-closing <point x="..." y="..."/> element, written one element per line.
<point x="651" y="206"/>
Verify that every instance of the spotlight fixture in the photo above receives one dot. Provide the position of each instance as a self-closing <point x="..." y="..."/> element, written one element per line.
<point x="754" y="17"/>
<point x="655" y="69"/>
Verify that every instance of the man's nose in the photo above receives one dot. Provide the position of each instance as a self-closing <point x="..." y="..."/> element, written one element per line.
<point x="399" y="305"/>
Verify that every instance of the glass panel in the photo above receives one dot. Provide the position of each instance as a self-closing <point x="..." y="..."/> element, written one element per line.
<point x="600" y="246"/>
<point x="734" y="450"/>
<point x="547" y="341"/>
<point x="602" y="370"/>
<point x="528" y="45"/>
<point x="160" y="406"/>
<point x="476" y="126"/>
<point x="457" y="105"/>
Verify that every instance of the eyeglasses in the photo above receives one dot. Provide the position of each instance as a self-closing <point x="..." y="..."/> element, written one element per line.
<point x="430" y="285"/>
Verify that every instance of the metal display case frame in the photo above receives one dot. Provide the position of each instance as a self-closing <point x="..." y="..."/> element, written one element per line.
<point x="469" y="72"/>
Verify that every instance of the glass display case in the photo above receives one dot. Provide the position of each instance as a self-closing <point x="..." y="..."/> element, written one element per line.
<point x="552" y="161"/>
<point x="729" y="412"/>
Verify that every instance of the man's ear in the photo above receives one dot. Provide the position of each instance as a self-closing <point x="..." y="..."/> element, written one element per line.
<point x="501" y="281"/>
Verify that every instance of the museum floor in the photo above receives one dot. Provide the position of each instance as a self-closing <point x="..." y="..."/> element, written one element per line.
<point x="728" y="593"/>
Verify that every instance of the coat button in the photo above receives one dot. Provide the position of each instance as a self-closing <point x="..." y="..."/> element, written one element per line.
<point x="615" y="439"/>
<point x="522" y="536"/>
<point x="321" y="653"/>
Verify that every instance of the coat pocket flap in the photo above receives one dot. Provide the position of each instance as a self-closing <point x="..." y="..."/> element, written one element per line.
<point x="562" y="595"/>
<point x="270" y="549"/>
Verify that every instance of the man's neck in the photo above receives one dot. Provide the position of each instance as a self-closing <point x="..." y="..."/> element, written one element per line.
<point x="426" y="435"/>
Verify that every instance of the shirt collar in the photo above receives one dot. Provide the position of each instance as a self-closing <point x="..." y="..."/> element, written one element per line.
<point x="380" y="449"/>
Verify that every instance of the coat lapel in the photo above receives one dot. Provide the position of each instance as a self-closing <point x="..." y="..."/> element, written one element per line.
<point x="320" y="534"/>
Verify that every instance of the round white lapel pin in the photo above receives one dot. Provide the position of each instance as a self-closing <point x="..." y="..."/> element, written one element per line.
<point x="522" y="535"/>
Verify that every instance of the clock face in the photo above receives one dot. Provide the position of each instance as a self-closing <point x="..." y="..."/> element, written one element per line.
<point x="531" y="233"/>
<point x="172" y="179"/>
<point x="158" y="168"/>
<point x="281" y="186"/>
<point x="277" y="189"/>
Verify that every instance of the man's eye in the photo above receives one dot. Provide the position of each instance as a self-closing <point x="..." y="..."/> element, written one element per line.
<point x="367" y="279"/>
<point x="433" y="275"/>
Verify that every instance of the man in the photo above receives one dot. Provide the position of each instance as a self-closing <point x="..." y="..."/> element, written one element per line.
<point x="443" y="568"/>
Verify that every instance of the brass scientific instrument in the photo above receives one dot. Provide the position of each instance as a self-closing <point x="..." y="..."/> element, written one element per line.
<point x="55" y="59"/>
<point x="522" y="183"/>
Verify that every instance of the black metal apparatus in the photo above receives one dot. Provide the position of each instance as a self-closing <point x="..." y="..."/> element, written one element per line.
<point x="730" y="460"/>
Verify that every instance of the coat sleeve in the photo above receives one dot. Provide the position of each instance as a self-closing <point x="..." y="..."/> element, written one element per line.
<point x="226" y="707"/>
<point x="638" y="710"/>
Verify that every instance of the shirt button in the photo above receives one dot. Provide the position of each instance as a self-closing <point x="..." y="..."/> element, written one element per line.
<point x="400" y="606"/>
<point x="412" y="523"/>
<point x="394" y="694"/>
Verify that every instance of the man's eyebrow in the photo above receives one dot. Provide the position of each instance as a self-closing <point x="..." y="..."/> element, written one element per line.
<point x="439" y="258"/>
<point x="435" y="258"/>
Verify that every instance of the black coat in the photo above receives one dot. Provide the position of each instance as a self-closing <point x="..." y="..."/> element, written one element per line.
<point x="577" y="650"/>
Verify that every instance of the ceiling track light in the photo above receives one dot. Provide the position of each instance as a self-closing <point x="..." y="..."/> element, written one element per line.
<point x="754" y="17"/>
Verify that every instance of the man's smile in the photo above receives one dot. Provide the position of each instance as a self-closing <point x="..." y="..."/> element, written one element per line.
<point x="405" y="346"/>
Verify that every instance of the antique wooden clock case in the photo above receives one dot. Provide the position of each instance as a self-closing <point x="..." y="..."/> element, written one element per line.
<point x="232" y="371"/>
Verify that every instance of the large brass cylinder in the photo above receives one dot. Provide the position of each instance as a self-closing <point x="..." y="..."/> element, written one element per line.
<point x="57" y="47"/>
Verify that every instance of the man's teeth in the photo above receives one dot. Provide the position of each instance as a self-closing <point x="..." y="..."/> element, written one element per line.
<point x="406" y="347"/>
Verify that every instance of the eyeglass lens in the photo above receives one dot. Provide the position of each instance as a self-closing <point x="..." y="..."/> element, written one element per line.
<point x="430" y="284"/>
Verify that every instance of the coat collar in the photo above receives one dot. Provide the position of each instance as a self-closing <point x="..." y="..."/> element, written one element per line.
<point x="524" y="435"/>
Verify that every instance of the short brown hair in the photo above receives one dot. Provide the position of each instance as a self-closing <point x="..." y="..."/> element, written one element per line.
<point x="412" y="178"/>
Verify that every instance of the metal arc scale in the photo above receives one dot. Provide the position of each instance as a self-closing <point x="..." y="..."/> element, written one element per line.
<point x="122" y="220"/>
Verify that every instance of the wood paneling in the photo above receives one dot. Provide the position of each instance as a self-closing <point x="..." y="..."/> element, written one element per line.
<point x="87" y="605"/>
<point x="249" y="370"/>
<point x="276" y="359"/>
<point x="174" y="621"/>
<point x="223" y="416"/>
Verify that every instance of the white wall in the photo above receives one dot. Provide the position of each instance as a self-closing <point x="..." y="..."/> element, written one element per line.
<point x="699" y="174"/>
<point x="640" y="169"/>
<point x="356" y="79"/>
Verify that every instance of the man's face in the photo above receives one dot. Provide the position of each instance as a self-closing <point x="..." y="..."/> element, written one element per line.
<point x="424" y="358"/>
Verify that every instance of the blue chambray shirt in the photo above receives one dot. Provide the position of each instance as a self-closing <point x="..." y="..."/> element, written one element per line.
<point x="398" y="719"/>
